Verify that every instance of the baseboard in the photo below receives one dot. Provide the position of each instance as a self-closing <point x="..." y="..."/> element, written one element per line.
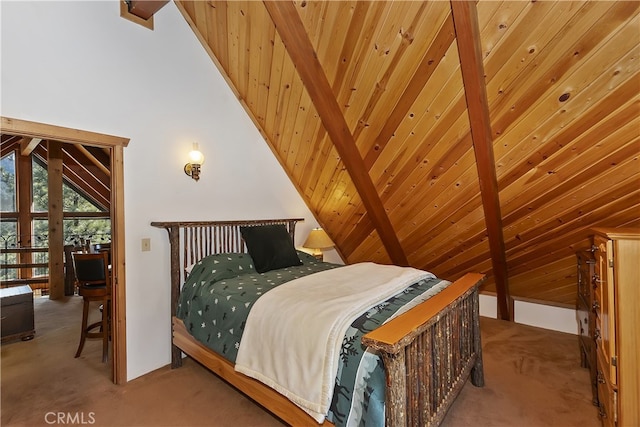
<point x="540" y="315"/>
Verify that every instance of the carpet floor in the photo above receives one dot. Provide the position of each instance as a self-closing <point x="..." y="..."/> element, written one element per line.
<point x="532" y="378"/>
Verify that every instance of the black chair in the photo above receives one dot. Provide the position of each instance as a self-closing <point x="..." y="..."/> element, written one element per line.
<point x="99" y="247"/>
<point x="94" y="284"/>
<point x="102" y="247"/>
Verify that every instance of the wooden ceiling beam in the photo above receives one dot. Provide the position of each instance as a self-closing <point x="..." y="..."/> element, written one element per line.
<point x="28" y="144"/>
<point x="465" y="19"/>
<point x="8" y="143"/>
<point x="300" y="50"/>
<point x="79" y="177"/>
<point x="94" y="160"/>
<point x="87" y="177"/>
<point x="78" y="160"/>
<point x="145" y="9"/>
<point x="73" y="136"/>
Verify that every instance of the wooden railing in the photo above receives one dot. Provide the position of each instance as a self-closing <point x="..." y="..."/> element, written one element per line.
<point x="26" y="274"/>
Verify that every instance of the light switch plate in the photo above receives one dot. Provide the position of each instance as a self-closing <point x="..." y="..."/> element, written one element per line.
<point x="146" y="244"/>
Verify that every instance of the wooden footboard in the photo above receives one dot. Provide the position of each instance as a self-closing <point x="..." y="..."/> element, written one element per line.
<point x="429" y="351"/>
<point x="270" y="399"/>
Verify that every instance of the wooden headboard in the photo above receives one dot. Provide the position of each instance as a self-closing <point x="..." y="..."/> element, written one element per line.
<point x="191" y="241"/>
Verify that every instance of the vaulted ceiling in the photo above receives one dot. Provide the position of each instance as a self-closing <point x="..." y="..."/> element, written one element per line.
<point x="451" y="136"/>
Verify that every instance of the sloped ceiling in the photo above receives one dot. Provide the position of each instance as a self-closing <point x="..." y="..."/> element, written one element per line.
<point x="365" y="106"/>
<point x="87" y="169"/>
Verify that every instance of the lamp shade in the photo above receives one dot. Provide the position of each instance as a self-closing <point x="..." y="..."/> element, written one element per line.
<point x="195" y="156"/>
<point x="318" y="239"/>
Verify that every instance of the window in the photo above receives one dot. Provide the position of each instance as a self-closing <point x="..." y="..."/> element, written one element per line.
<point x="8" y="226"/>
<point x="8" y="233"/>
<point x="77" y="228"/>
<point x="8" y="183"/>
<point x="83" y="220"/>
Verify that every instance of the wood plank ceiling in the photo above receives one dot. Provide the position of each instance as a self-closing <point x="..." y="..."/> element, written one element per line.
<point x="367" y="108"/>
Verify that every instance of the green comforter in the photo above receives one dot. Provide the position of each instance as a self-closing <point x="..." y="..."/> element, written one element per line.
<point x="218" y="294"/>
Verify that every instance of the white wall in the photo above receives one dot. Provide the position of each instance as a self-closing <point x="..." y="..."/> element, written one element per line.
<point x="539" y="315"/>
<point x="78" y="64"/>
<point x="546" y="317"/>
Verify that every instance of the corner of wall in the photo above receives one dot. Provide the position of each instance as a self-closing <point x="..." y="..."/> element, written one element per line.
<point x="538" y="315"/>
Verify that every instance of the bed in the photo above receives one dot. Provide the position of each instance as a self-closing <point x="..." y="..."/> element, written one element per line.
<point x="427" y="352"/>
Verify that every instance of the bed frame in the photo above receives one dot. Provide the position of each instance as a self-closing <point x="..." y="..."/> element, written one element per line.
<point x="429" y="352"/>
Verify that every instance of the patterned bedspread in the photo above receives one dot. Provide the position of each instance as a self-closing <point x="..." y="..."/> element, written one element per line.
<point x="220" y="290"/>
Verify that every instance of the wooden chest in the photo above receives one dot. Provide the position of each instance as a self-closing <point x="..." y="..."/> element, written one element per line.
<point x="17" y="313"/>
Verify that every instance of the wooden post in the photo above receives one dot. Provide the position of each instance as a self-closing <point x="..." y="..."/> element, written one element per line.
<point x="25" y="226"/>
<point x="396" y="402"/>
<point x="174" y="242"/>
<point x="477" y="372"/>
<point x="56" y="231"/>
<point x="118" y="303"/>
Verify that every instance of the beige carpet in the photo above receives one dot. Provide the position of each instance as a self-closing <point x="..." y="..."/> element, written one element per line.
<point x="533" y="378"/>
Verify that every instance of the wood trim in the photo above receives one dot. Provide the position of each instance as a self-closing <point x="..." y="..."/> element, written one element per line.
<point x="630" y="233"/>
<point x="168" y="224"/>
<point x="26" y="265"/>
<point x="23" y="250"/>
<point x="116" y="145"/>
<point x="124" y="13"/>
<point x="145" y="9"/>
<point x="465" y="19"/>
<point x="55" y="133"/>
<point x="300" y="50"/>
<point x="32" y="280"/>
<point x="67" y="215"/>
<point x="390" y="336"/>
<point x="118" y="305"/>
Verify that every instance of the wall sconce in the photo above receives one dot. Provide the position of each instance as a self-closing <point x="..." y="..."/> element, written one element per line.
<point x="196" y="159"/>
<point x="317" y="241"/>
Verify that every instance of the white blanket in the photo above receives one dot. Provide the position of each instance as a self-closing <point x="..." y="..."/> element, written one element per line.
<point x="293" y="335"/>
